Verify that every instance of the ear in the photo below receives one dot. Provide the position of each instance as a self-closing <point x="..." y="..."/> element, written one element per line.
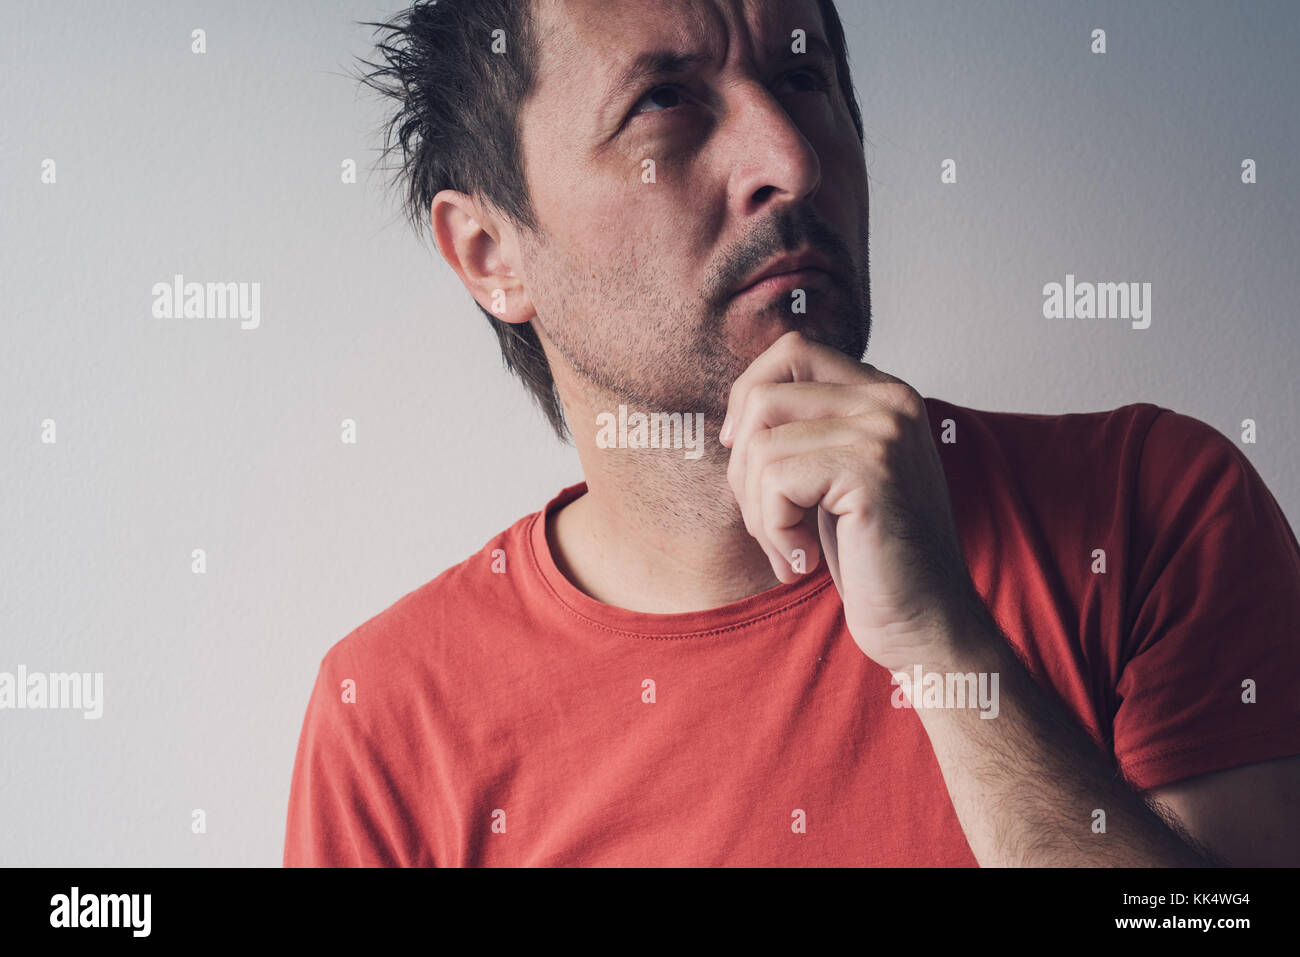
<point x="484" y="253"/>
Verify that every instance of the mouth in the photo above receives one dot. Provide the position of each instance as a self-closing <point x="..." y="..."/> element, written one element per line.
<point x="786" y="273"/>
<point x="784" y="282"/>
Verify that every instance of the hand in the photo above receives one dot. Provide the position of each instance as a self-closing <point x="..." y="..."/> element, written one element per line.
<point x="820" y="441"/>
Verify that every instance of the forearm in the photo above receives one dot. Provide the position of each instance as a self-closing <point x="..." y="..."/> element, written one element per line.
<point x="1026" y="783"/>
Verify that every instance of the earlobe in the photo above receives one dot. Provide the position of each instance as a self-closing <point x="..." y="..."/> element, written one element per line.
<point x="480" y="251"/>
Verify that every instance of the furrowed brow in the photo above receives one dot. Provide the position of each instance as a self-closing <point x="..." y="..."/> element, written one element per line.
<point x="816" y="46"/>
<point x="648" y="66"/>
<point x="653" y="64"/>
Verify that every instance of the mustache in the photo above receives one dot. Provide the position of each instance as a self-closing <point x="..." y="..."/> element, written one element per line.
<point x="784" y="232"/>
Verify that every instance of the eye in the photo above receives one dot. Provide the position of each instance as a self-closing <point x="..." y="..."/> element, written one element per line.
<point x="665" y="96"/>
<point x="815" y="78"/>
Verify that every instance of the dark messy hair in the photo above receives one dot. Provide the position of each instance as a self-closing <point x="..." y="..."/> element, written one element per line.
<point x="456" y="124"/>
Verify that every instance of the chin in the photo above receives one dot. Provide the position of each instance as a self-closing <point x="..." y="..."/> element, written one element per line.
<point x="750" y="334"/>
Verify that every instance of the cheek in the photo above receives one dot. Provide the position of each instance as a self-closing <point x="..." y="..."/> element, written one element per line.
<point x="568" y="280"/>
<point x="845" y="190"/>
<point x="546" y="277"/>
<point x="614" y="241"/>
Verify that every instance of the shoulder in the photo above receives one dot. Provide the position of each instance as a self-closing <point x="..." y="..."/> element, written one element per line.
<point x="1197" y="489"/>
<point x="1124" y="425"/>
<point x="1153" y="427"/>
<point x="403" y="636"/>
<point x="1074" y="465"/>
<point x="1178" y="442"/>
<point x="1139" y="440"/>
<point x="1138" y="472"/>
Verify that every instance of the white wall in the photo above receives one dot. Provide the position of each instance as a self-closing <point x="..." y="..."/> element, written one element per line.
<point x="181" y="434"/>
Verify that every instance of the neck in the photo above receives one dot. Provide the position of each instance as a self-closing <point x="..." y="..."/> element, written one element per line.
<point x="656" y="532"/>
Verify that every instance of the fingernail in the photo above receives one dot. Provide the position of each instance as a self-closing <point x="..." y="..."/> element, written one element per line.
<point x="725" y="434"/>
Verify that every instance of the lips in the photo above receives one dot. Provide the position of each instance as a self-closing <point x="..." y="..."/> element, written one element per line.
<point x="805" y="264"/>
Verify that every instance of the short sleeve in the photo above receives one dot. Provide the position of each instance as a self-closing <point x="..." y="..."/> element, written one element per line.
<point x="1211" y="669"/>
<point x="336" y="812"/>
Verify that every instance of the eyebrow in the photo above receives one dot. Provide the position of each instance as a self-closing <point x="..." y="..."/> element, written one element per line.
<point x="659" y="63"/>
<point x="647" y="66"/>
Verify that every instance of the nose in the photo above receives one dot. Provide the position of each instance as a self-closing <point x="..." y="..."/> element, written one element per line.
<point x="772" y="161"/>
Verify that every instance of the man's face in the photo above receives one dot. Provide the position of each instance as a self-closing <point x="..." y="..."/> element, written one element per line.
<point x="754" y="155"/>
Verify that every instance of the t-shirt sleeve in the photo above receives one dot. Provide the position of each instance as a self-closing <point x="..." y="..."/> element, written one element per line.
<point x="1211" y="653"/>
<point x="336" y="798"/>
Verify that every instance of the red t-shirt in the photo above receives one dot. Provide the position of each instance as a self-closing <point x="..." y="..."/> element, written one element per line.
<point x="499" y="716"/>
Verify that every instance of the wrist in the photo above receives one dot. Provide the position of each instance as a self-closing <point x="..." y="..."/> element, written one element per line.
<point x="966" y="639"/>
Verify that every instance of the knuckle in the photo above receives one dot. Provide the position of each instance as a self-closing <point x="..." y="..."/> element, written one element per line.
<point x="734" y="393"/>
<point x="765" y="474"/>
<point x="758" y="455"/>
<point x="762" y="394"/>
<point x="866" y="396"/>
<point x="793" y="341"/>
<point x="908" y="400"/>
<point x="733" y="479"/>
<point x="872" y="451"/>
<point x="891" y="427"/>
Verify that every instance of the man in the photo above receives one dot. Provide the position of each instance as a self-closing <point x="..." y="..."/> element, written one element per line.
<point x="844" y="625"/>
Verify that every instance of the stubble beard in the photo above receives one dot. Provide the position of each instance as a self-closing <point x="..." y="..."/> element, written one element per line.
<point x="650" y="366"/>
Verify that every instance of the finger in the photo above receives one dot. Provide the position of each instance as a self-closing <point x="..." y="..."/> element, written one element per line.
<point x="796" y="358"/>
<point x="773" y="405"/>
<point x="828" y="534"/>
<point x="740" y="476"/>
<point x="785" y="525"/>
<point x="790" y="490"/>
<point x="767" y="446"/>
<point x="776" y="404"/>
